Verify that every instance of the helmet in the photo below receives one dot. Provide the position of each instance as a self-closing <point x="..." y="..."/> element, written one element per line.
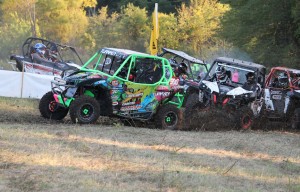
<point x="40" y="48"/>
<point x="283" y="80"/>
<point x="220" y="72"/>
<point x="182" y="68"/>
<point x="250" y="76"/>
<point x="53" y="52"/>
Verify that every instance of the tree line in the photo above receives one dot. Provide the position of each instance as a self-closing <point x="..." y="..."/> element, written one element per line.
<point x="265" y="32"/>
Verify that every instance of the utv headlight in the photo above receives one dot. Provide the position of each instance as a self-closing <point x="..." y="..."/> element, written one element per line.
<point x="202" y="86"/>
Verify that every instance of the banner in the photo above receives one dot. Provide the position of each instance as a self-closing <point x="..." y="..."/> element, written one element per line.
<point x="24" y="85"/>
<point x="154" y="32"/>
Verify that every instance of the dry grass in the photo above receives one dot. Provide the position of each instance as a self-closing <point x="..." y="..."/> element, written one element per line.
<point x="40" y="155"/>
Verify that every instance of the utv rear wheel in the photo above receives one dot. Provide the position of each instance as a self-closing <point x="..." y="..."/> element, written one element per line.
<point x="245" y="118"/>
<point x="84" y="109"/>
<point x="296" y="119"/>
<point x="50" y="109"/>
<point x="169" y="117"/>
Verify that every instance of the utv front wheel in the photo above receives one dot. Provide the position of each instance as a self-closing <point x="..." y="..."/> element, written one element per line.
<point x="296" y="119"/>
<point x="245" y="118"/>
<point x="169" y="117"/>
<point x="50" y="109"/>
<point x="84" y="109"/>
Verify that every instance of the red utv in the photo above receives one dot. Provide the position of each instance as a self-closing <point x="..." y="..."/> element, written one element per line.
<point x="282" y="96"/>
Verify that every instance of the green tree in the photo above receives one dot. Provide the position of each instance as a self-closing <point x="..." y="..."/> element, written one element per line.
<point x="102" y="31"/>
<point x="134" y="27"/>
<point x="265" y="29"/>
<point x="198" y="23"/>
<point x="168" y="31"/>
<point x="12" y="34"/>
<point x="296" y="21"/>
<point x="24" y="9"/>
<point x="165" y="6"/>
<point x="62" y="20"/>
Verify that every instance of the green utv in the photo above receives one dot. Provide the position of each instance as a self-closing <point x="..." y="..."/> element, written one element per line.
<point x="118" y="82"/>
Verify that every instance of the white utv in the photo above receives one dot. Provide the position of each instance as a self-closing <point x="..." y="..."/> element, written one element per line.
<point x="232" y="90"/>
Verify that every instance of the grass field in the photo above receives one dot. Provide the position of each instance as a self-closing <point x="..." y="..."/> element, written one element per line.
<point x="41" y="155"/>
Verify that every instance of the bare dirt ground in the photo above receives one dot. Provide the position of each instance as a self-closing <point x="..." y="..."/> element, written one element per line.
<point x="41" y="155"/>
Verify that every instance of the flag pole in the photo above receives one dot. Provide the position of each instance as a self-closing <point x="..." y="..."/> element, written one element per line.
<point x="154" y="32"/>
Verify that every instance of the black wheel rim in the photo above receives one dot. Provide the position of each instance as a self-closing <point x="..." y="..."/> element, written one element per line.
<point x="86" y="111"/>
<point x="170" y="119"/>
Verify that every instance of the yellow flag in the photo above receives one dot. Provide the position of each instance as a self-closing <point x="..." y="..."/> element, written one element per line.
<point x="154" y="32"/>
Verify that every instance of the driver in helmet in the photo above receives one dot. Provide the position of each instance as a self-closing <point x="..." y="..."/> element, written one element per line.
<point x="181" y="70"/>
<point x="52" y="53"/>
<point x="283" y="80"/>
<point x="39" y="51"/>
<point x="250" y="84"/>
<point x="222" y="75"/>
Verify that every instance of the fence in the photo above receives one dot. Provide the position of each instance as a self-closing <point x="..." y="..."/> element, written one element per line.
<point x="24" y="85"/>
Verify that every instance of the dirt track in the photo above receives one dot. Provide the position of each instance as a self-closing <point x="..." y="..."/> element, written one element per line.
<point x="18" y="113"/>
<point x="42" y="155"/>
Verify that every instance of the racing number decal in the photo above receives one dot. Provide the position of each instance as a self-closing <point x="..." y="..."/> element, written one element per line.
<point x="276" y="95"/>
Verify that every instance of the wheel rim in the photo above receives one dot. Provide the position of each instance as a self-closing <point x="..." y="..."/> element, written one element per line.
<point x="246" y="121"/>
<point x="86" y="111"/>
<point x="52" y="106"/>
<point x="170" y="119"/>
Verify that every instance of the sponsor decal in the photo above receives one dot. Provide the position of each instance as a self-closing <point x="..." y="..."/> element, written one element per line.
<point x="95" y="76"/>
<point x="114" y="91"/>
<point x="162" y="94"/>
<point x="174" y="82"/>
<point x="115" y="103"/>
<point x="162" y="88"/>
<point x="128" y="103"/>
<point x="276" y="97"/>
<point x="107" y="61"/>
<point x="275" y="92"/>
<point x="114" y="83"/>
<point x="99" y="82"/>
<point x="114" y="97"/>
<point x="134" y="95"/>
<point x="131" y="107"/>
<point x="113" y="53"/>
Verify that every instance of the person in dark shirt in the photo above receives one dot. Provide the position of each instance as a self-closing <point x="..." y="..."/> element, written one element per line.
<point x="250" y="84"/>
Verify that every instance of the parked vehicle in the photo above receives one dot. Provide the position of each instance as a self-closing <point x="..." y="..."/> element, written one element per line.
<point x="118" y="82"/>
<point x="282" y="96"/>
<point x="233" y="89"/>
<point x="55" y="58"/>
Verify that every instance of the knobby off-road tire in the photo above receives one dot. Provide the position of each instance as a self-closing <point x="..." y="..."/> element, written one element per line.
<point x="169" y="117"/>
<point x="50" y="109"/>
<point x="84" y="110"/>
<point x="296" y="119"/>
<point x="244" y="118"/>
